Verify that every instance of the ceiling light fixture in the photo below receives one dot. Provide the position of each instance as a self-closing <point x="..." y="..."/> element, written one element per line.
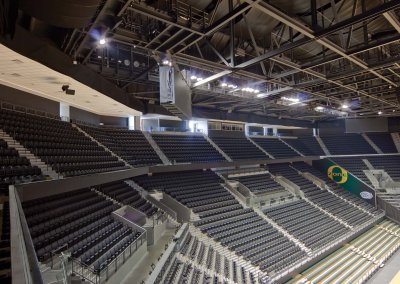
<point x="380" y="112"/>
<point x="344" y="106"/>
<point x="102" y="41"/>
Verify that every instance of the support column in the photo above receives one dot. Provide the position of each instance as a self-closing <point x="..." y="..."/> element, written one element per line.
<point x="64" y="111"/>
<point x="131" y="123"/>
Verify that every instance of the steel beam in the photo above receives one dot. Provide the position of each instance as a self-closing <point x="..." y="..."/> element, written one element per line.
<point x="217" y="53"/>
<point x="393" y="20"/>
<point x="352" y="51"/>
<point x="319" y="36"/>
<point x="214" y="27"/>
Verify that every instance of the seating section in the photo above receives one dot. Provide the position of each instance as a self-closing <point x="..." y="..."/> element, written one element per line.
<point x="276" y="147"/>
<point x="58" y="144"/>
<point x="125" y="194"/>
<point x="337" y="189"/>
<point x="239" y="148"/>
<point x="307" y="145"/>
<point x="187" y="148"/>
<point x="193" y="189"/>
<point x="79" y="222"/>
<point x="354" y="165"/>
<point x="205" y="256"/>
<point x="259" y="183"/>
<point x="324" y="199"/>
<point x="130" y="145"/>
<point x="357" y="261"/>
<point x="306" y="223"/>
<point x="391" y="165"/>
<point x="347" y="144"/>
<point x="225" y="220"/>
<point x="15" y="169"/>
<point x="384" y="141"/>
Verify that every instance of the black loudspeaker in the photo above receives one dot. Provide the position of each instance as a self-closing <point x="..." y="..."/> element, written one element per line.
<point x="70" y="92"/>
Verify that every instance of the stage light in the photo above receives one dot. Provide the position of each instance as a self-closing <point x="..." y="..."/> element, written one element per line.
<point x="102" y="41"/>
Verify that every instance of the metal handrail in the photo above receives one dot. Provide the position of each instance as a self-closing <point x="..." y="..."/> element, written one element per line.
<point x="99" y="275"/>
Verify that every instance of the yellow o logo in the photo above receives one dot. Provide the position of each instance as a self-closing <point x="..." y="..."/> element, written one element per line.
<point x="337" y="174"/>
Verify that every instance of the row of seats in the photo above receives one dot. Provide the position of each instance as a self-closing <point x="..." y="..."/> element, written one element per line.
<point x="384" y="141"/>
<point x="49" y="138"/>
<point x="125" y="194"/>
<point x="187" y="148"/>
<point x="79" y="222"/>
<point x="260" y="183"/>
<point x="347" y="144"/>
<point x="239" y="148"/>
<point x="305" y="168"/>
<point x="16" y="169"/>
<point x="306" y="223"/>
<point x="276" y="147"/>
<point x="329" y="202"/>
<point x="307" y="145"/>
<point x="130" y="145"/>
<point x="224" y="219"/>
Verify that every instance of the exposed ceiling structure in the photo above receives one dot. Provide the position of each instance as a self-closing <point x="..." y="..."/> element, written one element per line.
<point x="22" y="73"/>
<point x="304" y="59"/>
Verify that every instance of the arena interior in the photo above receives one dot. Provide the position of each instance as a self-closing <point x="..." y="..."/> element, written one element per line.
<point x="214" y="141"/>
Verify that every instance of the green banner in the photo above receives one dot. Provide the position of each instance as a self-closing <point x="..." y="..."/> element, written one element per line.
<point x="346" y="180"/>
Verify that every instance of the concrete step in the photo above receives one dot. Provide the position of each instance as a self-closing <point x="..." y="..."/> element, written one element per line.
<point x="370" y="142"/>
<point x="261" y="148"/>
<point x="323" y="146"/>
<point x="101" y="145"/>
<point x="23" y="152"/>
<point x="396" y="140"/>
<point x="217" y="148"/>
<point x="157" y="149"/>
<point x="290" y="146"/>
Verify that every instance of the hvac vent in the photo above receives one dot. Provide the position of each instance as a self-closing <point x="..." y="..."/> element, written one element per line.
<point x="17" y="61"/>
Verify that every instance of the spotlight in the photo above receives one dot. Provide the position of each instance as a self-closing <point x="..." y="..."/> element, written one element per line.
<point x="102" y="41"/>
<point x="224" y="84"/>
<point x="380" y="112"/>
<point x="319" y="108"/>
<point x="344" y="106"/>
<point x="165" y="62"/>
<point x="199" y="79"/>
<point x="193" y="77"/>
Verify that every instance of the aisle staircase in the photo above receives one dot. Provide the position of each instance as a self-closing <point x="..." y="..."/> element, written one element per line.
<point x="100" y="144"/>
<point x="34" y="160"/>
<point x="323" y="146"/>
<point x="396" y="140"/>
<point x="373" y="145"/>
<point x="217" y="148"/>
<point x="157" y="149"/>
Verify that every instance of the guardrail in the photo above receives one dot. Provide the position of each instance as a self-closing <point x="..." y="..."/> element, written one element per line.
<point x="97" y="277"/>
<point x="391" y="211"/>
<point x="24" y="264"/>
<point x="162" y="265"/>
<point x="26" y="110"/>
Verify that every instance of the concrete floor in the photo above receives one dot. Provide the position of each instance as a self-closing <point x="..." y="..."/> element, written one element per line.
<point x="388" y="272"/>
<point x="141" y="271"/>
